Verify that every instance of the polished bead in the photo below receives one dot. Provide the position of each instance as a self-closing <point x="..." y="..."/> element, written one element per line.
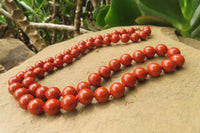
<point x="178" y="59"/>
<point x="114" y="32"/>
<point x="14" y="86"/>
<point x="75" y="53"/>
<point x="138" y="56"/>
<point x="99" y="37"/>
<point x="149" y="51"/>
<point x="69" y="102"/>
<point x="13" y="80"/>
<point x="172" y="51"/>
<point x="52" y="106"/>
<point x="107" y="35"/>
<point x="28" y="81"/>
<point x="117" y="90"/>
<point x="66" y="52"/>
<point x="98" y="42"/>
<point x="147" y="29"/>
<point x="101" y="94"/>
<point x="58" y="63"/>
<point x="69" y="90"/>
<point x="104" y="71"/>
<point x="39" y="72"/>
<point x="126" y="59"/>
<point x="82" y="85"/>
<point x="122" y="31"/>
<point x="115" y="38"/>
<point x="39" y="63"/>
<point x="30" y="68"/>
<point x="20" y="92"/>
<point x="106" y="41"/>
<point x="48" y="66"/>
<point x="24" y="100"/>
<point x="161" y="49"/>
<point x="143" y="35"/>
<point x="89" y="45"/>
<point x="154" y="69"/>
<point x="115" y="65"/>
<point x="33" y="87"/>
<point x="134" y="37"/>
<point x="140" y="73"/>
<point x="81" y="48"/>
<point x="82" y="42"/>
<point x="128" y="79"/>
<point x="29" y="74"/>
<point x="40" y="92"/>
<point x="124" y="38"/>
<point x="94" y="79"/>
<point x="35" y="106"/>
<point x="59" y="56"/>
<point x="90" y="39"/>
<point x="131" y="30"/>
<point x="49" y="59"/>
<point x="74" y="47"/>
<point x="85" y="96"/>
<point x="20" y="75"/>
<point x="68" y="59"/>
<point x="53" y="92"/>
<point x="168" y="65"/>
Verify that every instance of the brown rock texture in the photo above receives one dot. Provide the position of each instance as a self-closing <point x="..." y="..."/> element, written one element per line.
<point x="167" y="104"/>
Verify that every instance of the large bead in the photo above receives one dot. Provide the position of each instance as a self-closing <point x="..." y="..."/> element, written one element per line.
<point x="94" y="79"/>
<point x="101" y="94"/>
<point x="69" y="102"/>
<point x="52" y="106"/>
<point x="128" y="79"/>
<point x="154" y="69"/>
<point x="35" y="106"/>
<point x="24" y="100"/>
<point x="117" y="90"/>
<point x="85" y="96"/>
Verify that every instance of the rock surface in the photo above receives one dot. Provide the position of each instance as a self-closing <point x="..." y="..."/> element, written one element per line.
<point x="13" y="52"/>
<point x="167" y="104"/>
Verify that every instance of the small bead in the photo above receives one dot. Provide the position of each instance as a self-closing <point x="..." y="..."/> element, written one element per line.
<point x="33" y="87"/>
<point x="24" y="100"/>
<point x="75" y="53"/>
<point x="39" y="72"/>
<point x="49" y="59"/>
<point x="178" y="59"/>
<point x="82" y="42"/>
<point x="107" y="35"/>
<point x="29" y="74"/>
<point x="74" y="47"/>
<point x="69" y="90"/>
<point x="101" y="94"/>
<point x="149" y="51"/>
<point x="104" y="71"/>
<point x="52" y="106"/>
<point x="58" y="63"/>
<point x="115" y="38"/>
<point x="28" y="81"/>
<point x="126" y="59"/>
<point x="30" y="68"/>
<point x="138" y="56"/>
<point x="131" y="30"/>
<point x="66" y="52"/>
<point x="128" y="79"/>
<point x="124" y="38"/>
<point x="13" y="80"/>
<point x="59" y="56"/>
<point x="53" y="92"/>
<point x="90" y="39"/>
<point x="106" y="41"/>
<point x="20" y="75"/>
<point x="114" y="32"/>
<point x="122" y="31"/>
<point x="115" y="65"/>
<point x="147" y="29"/>
<point x="154" y="69"/>
<point x="40" y="92"/>
<point x="140" y="73"/>
<point x="85" y="96"/>
<point x="172" y="51"/>
<point x="143" y="35"/>
<point x="69" y="102"/>
<point x="81" y="48"/>
<point x="35" y="106"/>
<point x="48" y="66"/>
<point x="134" y="37"/>
<point x="13" y="87"/>
<point x="39" y="63"/>
<point x="94" y="79"/>
<point x="99" y="37"/>
<point x="82" y="85"/>
<point x="117" y="90"/>
<point x="168" y="65"/>
<point x="98" y="42"/>
<point x="89" y="45"/>
<point x="68" y="59"/>
<point x="20" y="92"/>
<point x="161" y="49"/>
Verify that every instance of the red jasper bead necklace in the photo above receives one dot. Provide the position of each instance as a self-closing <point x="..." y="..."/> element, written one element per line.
<point x="37" y="98"/>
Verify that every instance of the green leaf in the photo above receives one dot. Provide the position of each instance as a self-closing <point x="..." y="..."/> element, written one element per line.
<point x="96" y="11"/>
<point x="101" y="15"/>
<point x="151" y="20"/>
<point x="133" y="94"/>
<point x="122" y="13"/>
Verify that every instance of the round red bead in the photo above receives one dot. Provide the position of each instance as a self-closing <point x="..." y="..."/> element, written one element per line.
<point x="98" y="42"/>
<point x="114" y="65"/>
<point x="69" y="102"/>
<point x="143" y="35"/>
<point x="154" y="69"/>
<point x="172" y="51"/>
<point x="104" y="71"/>
<point x="107" y="35"/>
<point x="90" y="39"/>
<point x="75" y="53"/>
<point x="67" y="51"/>
<point x="149" y="51"/>
<point x="58" y="63"/>
<point x="82" y="85"/>
<point x="106" y="40"/>
<point x="124" y="38"/>
<point x="131" y="30"/>
<point x="89" y="45"/>
<point x="128" y="79"/>
<point x="138" y="56"/>
<point x="13" y="80"/>
<point x="39" y="72"/>
<point x="147" y="29"/>
<point x="168" y="65"/>
<point x="68" y="59"/>
<point x="99" y="37"/>
<point x="85" y="96"/>
<point x="29" y="74"/>
<point x="101" y="94"/>
<point x="52" y="106"/>
<point x="114" y="32"/>
<point x="39" y="63"/>
<point x="53" y="92"/>
<point x="14" y="86"/>
<point x="59" y="56"/>
<point x="49" y="59"/>
<point x="33" y="87"/>
<point x="48" y="66"/>
<point x="115" y="38"/>
<point x="81" y="48"/>
<point x="82" y="42"/>
<point x="94" y="79"/>
<point x="161" y="49"/>
<point x="30" y="68"/>
<point x="24" y="100"/>
<point x="28" y="81"/>
<point x="126" y="59"/>
<point x="122" y="31"/>
<point x="178" y="59"/>
<point x="140" y="73"/>
<point x="117" y="90"/>
<point x="134" y="37"/>
<point x="69" y="90"/>
<point x="20" y="75"/>
<point x="20" y="92"/>
<point x="35" y="106"/>
<point x="40" y="92"/>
